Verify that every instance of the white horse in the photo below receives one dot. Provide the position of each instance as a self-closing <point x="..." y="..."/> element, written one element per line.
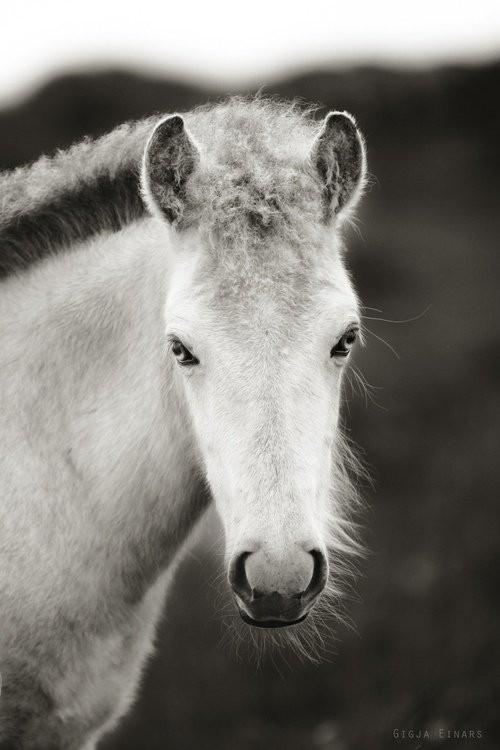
<point x="175" y="316"/>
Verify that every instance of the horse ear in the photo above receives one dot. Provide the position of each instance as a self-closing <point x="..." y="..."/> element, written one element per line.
<point x="169" y="159"/>
<point x="338" y="155"/>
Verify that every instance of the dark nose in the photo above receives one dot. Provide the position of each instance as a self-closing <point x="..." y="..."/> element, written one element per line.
<point x="274" y="594"/>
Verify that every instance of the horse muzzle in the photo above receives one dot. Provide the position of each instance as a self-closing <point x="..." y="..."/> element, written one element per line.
<point x="272" y="594"/>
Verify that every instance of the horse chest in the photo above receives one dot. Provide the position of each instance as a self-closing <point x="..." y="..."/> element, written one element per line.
<point x="83" y="676"/>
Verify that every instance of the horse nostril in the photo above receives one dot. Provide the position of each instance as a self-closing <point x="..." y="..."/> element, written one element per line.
<point x="277" y="592"/>
<point x="238" y="576"/>
<point x="319" y="576"/>
<point x="255" y="581"/>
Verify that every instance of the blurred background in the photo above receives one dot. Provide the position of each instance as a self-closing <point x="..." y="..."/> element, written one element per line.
<point x="423" y="81"/>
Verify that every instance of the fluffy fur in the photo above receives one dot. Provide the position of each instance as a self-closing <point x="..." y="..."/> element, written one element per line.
<point x="108" y="445"/>
<point x="258" y="175"/>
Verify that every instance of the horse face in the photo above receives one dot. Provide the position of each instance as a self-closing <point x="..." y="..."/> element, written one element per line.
<point x="262" y="378"/>
<point x="261" y="318"/>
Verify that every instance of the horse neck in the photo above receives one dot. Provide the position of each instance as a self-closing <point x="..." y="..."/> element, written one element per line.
<point x="105" y="411"/>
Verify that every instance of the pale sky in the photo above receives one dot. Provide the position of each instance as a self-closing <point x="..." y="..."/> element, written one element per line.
<point x="233" y="42"/>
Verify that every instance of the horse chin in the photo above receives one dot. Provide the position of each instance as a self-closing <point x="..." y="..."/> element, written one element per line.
<point x="270" y="624"/>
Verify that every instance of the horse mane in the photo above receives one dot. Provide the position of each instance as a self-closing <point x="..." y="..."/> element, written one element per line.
<point x="254" y="181"/>
<point x="58" y="201"/>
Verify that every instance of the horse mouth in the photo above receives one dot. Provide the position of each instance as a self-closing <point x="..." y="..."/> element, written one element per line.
<point x="270" y="623"/>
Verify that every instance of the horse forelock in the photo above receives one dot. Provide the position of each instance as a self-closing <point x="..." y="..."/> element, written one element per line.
<point x="255" y="186"/>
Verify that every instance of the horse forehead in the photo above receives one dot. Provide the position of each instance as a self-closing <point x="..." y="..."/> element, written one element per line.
<point x="255" y="286"/>
<point x="277" y="285"/>
<point x="279" y="303"/>
<point x="291" y="275"/>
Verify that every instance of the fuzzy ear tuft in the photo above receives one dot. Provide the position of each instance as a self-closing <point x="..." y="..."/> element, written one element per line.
<point x="339" y="156"/>
<point x="169" y="159"/>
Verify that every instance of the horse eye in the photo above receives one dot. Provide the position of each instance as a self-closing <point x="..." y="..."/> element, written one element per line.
<point x="344" y="345"/>
<point x="182" y="354"/>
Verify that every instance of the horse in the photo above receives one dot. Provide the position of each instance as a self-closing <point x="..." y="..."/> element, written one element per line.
<point x="176" y="321"/>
